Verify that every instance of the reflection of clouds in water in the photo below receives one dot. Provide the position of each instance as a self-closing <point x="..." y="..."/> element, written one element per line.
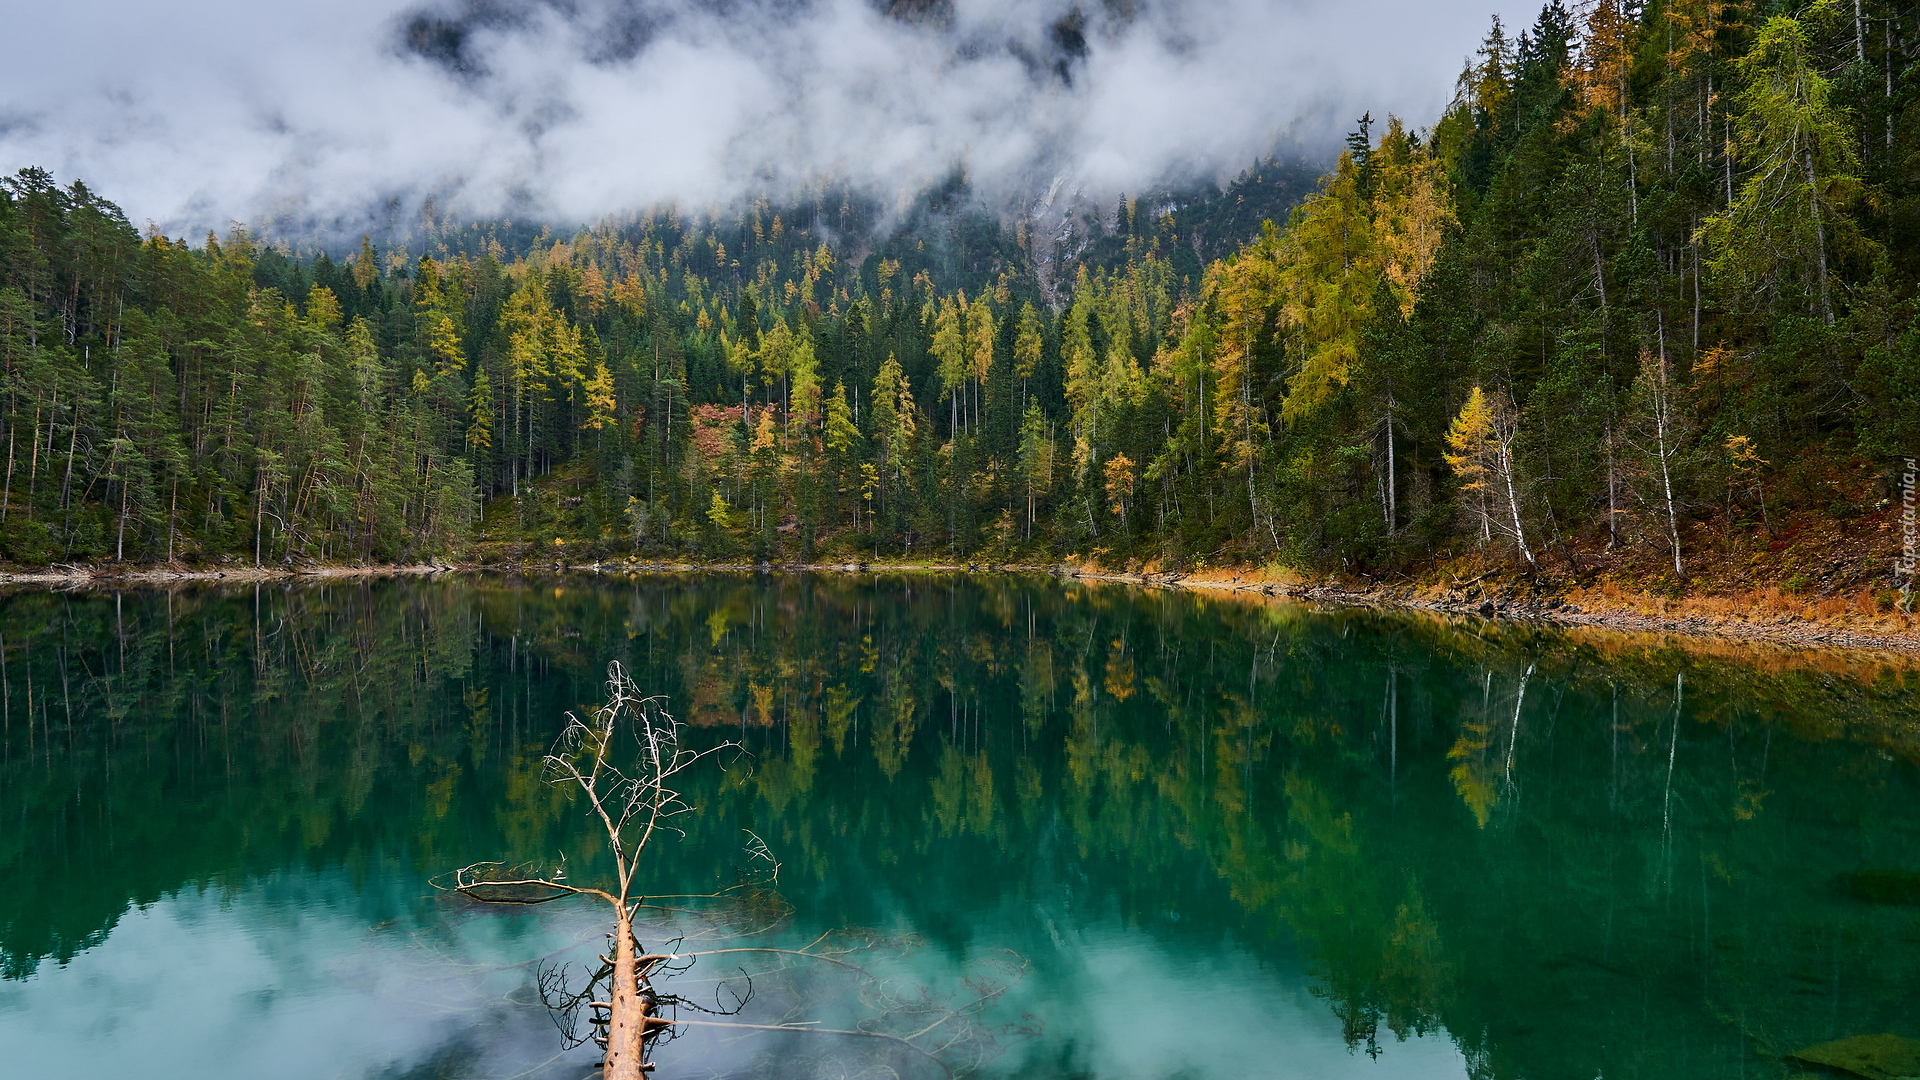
<point x="1141" y="1007"/>
<point x="292" y="979"/>
<point x="202" y="986"/>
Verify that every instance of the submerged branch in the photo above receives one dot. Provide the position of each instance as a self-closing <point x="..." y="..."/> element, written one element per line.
<point x="466" y="883"/>
<point x="784" y="952"/>
<point x="808" y="1029"/>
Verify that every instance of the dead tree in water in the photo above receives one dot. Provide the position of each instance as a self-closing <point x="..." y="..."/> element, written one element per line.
<point x="623" y="756"/>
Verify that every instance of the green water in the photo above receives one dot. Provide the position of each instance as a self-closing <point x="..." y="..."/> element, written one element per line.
<point x="1169" y="835"/>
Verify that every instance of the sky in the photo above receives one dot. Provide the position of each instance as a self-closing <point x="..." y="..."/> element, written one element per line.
<point x="323" y="116"/>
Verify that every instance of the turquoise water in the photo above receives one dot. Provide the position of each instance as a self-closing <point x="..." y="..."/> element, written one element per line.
<point x="1067" y="830"/>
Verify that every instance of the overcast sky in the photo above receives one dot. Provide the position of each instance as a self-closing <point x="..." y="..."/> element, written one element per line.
<point x="196" y="112"/>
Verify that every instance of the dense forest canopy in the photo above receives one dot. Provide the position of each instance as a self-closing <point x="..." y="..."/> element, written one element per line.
<point x="1655" y="263"/>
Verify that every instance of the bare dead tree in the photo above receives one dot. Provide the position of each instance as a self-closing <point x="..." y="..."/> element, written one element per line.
<point x="623" y="756"/>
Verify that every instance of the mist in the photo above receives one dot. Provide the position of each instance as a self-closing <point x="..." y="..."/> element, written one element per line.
<point x="326" y="118"/>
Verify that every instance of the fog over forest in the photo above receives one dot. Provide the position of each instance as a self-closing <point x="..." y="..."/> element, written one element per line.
<point x="330" y="117"/>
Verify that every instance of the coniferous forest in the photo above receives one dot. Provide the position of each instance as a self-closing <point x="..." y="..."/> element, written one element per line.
<point x="1647" y="287"/>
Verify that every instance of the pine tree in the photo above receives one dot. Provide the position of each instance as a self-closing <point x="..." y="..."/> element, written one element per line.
<point x="480" y="413"/>
<point x="1780" y="233"/>
<point x="953" y="366"/>
<point x="893" y="430"/>
<point x="602" y="401"/>
<point x="1036" y="460"/>
<point x="1028" y="346"/>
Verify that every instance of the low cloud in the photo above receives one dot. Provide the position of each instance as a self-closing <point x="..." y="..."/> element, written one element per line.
<point x="328" y="117"/>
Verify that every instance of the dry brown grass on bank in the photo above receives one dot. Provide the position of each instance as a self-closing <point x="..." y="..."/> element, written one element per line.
<point x="1859" y="609"/>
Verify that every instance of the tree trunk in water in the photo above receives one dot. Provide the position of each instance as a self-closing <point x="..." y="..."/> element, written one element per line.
<point x="626" y="1046"/>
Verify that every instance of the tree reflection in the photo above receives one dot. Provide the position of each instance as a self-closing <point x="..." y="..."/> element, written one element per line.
<point x="1573" y="854"/>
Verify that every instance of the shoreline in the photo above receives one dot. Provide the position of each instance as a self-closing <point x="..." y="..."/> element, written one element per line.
<point x="1460" y="599"/>
<point x="1782" y="631"/>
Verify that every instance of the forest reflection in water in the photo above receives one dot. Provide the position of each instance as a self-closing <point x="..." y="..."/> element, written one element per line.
<point x="1225" y="838"/>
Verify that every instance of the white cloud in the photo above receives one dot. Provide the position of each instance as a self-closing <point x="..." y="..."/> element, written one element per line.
<point x="196" y="113"/>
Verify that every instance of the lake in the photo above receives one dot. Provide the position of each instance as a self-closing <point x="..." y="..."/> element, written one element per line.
<point x="1030" y="827"/>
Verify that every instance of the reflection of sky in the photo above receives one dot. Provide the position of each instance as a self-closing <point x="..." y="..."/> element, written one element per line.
<point x="289" y="980"/>
<point x="254" y="985"/>
<point x="1138" y="1008"/>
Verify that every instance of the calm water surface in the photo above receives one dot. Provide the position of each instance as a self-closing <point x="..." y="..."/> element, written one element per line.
<point x="1083" y="831"/>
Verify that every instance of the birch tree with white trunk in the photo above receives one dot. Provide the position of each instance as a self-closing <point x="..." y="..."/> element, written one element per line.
<point x="1480" y="451"/>
<point x="1659" y="433"/>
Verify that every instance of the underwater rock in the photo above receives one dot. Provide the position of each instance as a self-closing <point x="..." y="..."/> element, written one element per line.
<point x="1881" y="886"/>
<point x="1875" y="1057"/>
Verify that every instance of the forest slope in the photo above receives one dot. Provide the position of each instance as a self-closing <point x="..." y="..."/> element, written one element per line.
<point x="1636" y="312"/>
